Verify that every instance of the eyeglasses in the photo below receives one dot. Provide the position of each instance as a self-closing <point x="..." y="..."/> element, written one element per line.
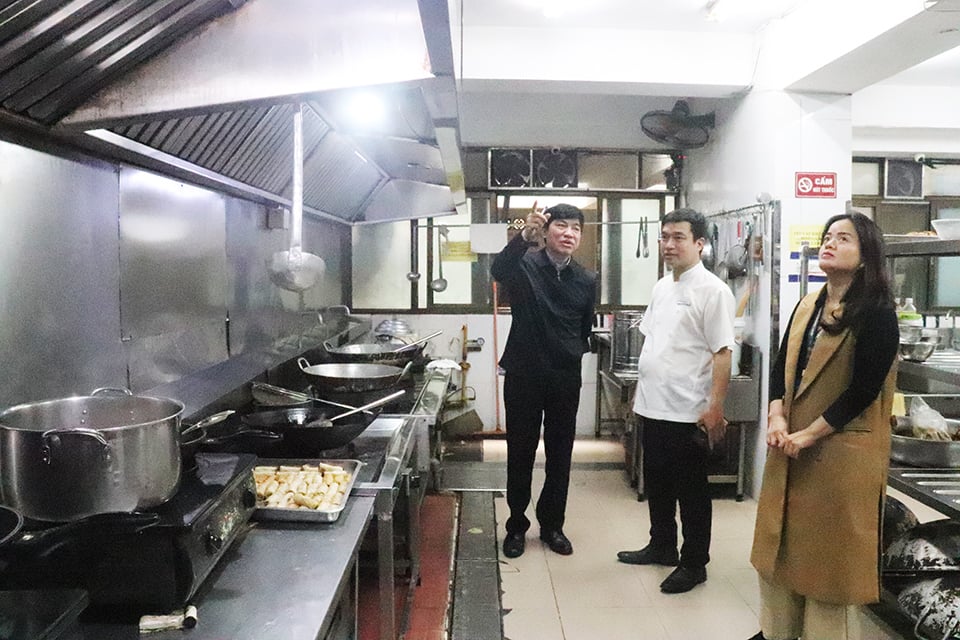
<point x="677" y="238"/>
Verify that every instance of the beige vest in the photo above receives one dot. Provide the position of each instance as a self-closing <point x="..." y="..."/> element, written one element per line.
<point x="819" y="516"/>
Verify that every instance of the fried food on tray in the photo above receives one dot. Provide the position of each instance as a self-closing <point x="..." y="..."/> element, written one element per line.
<point x="319" y="487"/>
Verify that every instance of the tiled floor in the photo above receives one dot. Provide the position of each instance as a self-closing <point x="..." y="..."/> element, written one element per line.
<point x="590" y="595"/>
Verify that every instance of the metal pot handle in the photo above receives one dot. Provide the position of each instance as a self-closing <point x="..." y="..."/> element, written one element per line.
<point x="111" y="391"/>
<point x="51" y="440"/>
<point x="923" y="615"/>
<point x="303" y="363"/>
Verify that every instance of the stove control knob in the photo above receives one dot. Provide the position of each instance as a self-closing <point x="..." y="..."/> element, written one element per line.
<point x="214" y="542"/>
<point x="249" y="499"/>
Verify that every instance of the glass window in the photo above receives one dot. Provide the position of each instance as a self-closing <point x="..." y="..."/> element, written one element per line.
<point x="381" y="261"/>
<point x="866" y="178"/>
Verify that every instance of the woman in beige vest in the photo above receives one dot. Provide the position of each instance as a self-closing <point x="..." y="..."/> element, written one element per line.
<point x="816" y="544"/>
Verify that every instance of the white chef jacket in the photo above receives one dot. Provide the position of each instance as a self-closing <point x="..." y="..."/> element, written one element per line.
<point x="686" y="323"/>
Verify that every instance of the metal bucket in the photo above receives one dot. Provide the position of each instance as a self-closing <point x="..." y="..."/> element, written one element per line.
<point x="627" y="341"/>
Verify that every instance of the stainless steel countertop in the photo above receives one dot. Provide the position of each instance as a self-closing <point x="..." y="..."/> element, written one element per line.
<point x="279" y="580"/>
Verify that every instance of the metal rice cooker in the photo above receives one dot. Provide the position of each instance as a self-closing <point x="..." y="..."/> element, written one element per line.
<point x="69" y="458"/>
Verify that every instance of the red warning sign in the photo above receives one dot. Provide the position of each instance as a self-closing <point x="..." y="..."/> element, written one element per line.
<point x="816" y="185"/>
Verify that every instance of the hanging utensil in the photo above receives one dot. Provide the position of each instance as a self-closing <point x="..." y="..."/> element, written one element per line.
<point x="640" y="239"/>
<point x="708" y="256"/>
<point x="643" y="229"/>
<point x="440" y="284"/>
<point x="294" y="269"/>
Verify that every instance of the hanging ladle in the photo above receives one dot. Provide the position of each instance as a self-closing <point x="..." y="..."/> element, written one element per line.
<point x="416" y="342"/>
<point x="328" y="422"/>
<point x="440" y="284"/>
<point x="295" y="269"/>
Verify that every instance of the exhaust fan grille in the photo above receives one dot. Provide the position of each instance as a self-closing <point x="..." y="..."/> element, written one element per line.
<point x="904" y="179"/>
<point x="533" y="168"/>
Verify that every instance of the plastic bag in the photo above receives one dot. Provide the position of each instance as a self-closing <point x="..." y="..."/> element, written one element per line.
<point x="927" y="423"/>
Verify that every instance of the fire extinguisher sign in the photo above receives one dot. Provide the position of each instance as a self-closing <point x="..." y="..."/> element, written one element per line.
<point x="816" y="185"/>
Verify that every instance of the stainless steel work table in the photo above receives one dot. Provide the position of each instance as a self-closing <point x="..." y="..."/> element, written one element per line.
<point x="280" y="580"/>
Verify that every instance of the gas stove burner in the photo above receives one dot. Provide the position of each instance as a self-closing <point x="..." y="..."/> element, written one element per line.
<point x="158" y="568"/>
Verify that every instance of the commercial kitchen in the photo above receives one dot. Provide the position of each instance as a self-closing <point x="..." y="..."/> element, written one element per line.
<point x="248" y="242"/>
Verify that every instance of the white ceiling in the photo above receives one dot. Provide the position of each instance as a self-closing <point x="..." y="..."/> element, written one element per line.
<point x="596" y="31"/>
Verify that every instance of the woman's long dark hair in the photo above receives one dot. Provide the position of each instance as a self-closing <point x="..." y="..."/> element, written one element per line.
<point x="870" y="290"/>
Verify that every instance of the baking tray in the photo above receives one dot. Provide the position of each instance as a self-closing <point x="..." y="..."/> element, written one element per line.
<point x="306" y="515"/>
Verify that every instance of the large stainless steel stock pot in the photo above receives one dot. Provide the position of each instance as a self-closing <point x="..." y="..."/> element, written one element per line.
<point x="69" y="458"/>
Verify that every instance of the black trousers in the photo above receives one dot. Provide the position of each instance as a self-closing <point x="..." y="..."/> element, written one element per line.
<point x="675" y="456"/>
<point x="549" y="397"/>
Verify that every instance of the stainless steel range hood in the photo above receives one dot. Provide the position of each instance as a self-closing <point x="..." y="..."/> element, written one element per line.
<point x="206" y="88"/>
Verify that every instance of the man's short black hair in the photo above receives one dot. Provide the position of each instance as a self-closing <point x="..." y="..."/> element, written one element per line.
<point x="564" y="212"/>
<point x="698" y="223"/>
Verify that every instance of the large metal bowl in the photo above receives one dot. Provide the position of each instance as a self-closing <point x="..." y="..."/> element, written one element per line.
<point x="917" y="452"/>
<point x="917" y="351"/>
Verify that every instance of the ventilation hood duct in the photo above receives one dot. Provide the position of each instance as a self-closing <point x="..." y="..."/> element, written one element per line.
<point x="206" y="89"/>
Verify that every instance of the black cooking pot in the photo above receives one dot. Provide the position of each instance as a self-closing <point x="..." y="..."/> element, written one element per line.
<point x="929" y="547"/>
<point x="934" y="606"/>
<point x="897" y="520"/>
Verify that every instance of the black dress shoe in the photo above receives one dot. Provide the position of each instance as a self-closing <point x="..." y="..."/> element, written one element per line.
<point x="513" y="545"/>
<point x="649" y="555"/>
<point x="557" y="542"/>
<point x="760" y="636"/>
<point x="683" y="579"/>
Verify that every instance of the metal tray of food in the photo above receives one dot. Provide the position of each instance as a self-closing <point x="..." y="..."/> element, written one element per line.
<point x="316" y="490"/>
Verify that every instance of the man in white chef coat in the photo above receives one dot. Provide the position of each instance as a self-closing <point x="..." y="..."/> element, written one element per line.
<point x="683" y="375"/>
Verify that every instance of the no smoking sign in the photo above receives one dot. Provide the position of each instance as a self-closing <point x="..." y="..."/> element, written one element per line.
<point x="816" y="185"/>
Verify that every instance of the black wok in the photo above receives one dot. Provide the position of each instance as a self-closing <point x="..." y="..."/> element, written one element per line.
<point x="307" y="429"/>
<point x="16" y="540"/>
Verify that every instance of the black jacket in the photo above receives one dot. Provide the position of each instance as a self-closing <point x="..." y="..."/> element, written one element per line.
<point x="552" y="311"/>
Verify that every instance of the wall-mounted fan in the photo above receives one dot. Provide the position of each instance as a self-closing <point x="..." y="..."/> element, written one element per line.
<point x="510" y="168"/>
<point x="554" y="168"/>
<point x="677" y="127"/>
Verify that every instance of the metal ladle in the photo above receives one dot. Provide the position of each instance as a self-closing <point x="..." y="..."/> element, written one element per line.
<point x="328" y="422"/>
<point x="440" y="284"/>
<point x="295" y="269"/>
<point x="416" y="342"/>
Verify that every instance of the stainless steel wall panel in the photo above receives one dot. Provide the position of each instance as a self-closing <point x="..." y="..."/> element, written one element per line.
<point x="167" y="357"/>
<point x="172" y="256"/>
<point x="59" y="277"/>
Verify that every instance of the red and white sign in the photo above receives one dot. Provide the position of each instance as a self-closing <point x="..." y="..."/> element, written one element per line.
<point x="816" y="185"/>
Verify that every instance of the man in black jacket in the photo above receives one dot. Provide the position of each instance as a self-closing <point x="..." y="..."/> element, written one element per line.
<point x="551" y="303"/>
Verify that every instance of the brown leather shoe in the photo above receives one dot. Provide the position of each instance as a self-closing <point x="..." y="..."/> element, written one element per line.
<point x="557" y="542"/>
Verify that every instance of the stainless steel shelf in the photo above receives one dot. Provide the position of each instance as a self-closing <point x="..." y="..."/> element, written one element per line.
<point x="942" y="366"/>
<point x="897" y="247"/>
